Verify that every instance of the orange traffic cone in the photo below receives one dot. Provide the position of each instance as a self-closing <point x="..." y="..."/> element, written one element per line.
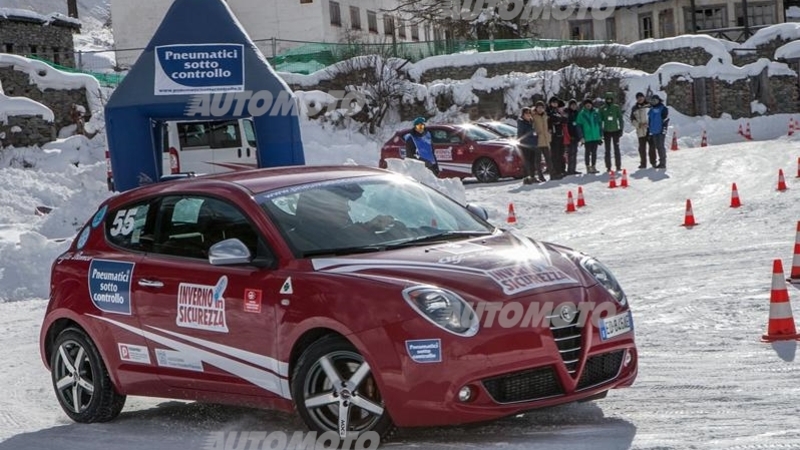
<point x="581" y="201"/>
<point x="612" y="182"/>
<point x="794" y="277"/>
<point x="798" y="167"/>
<point x="781" y="322"/>
<point x="704" y="139"/>
<point x="740" y="132"/>
<point x="674" y="141"/>
<point x="747" y="134"/>
<point x="570" y="203"/>
<point x="624" y="182"/>
<point x="791" y="126"/>
<point x="735" y="203"/>
<point x="688" y="220"/>
<point x="781" y="181"/>
<point x="512" y="216"/>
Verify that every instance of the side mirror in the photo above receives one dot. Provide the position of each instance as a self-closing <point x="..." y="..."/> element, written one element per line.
<point x="229" y="252"/>
<point x="478" y="211"/>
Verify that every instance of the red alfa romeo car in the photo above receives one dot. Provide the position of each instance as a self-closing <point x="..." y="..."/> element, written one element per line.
<point x="465" y="151"/>
<point x="352" y="295"/>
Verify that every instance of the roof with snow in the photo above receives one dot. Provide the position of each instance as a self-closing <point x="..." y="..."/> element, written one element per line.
<point x="24" y="15"/>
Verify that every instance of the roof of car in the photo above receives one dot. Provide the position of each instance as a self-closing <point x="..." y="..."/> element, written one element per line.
<point x="258" y="180"/>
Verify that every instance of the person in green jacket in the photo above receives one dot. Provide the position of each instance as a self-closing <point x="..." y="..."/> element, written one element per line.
<point x="611" y="116"/>
<point x="590" y="133"/>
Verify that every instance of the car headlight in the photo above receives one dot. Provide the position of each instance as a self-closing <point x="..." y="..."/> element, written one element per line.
<point x="444" y="309"/>
<point x="603" y="275"/>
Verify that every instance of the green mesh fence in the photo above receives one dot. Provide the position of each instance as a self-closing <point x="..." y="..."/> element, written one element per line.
<point x="105" y="79"/>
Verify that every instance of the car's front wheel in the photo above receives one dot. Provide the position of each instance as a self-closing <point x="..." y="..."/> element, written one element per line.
<point x="334" y="390"/>
<point x="485" y="170"/>
<point x="80" y="379"/>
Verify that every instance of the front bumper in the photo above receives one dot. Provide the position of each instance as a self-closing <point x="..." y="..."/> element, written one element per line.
<point x="509" y="371"/>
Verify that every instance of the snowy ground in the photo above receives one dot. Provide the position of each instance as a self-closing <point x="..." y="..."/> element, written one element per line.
<point x="700" y="298"/>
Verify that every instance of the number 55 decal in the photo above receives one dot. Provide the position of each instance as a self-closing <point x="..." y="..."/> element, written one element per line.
<point x="123" y="222"/>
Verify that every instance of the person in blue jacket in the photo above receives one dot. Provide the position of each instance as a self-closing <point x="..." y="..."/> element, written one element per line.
<point x="527" y="144"/>
<point x="658" y="122"/>
<point x="419" y="145"/>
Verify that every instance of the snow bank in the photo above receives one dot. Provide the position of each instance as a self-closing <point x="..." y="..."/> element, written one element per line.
<point x="783" y="31"/>
<point x="22" y="106"/>
<point x="789" y="50"/>
<point x="31" y="15"/>
<point x="726" y="72"/>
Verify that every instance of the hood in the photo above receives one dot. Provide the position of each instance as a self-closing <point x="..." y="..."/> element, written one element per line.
<point x="498" y="267"/>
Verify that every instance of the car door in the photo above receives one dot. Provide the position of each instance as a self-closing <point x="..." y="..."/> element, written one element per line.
<point x="195" y="153"/>
<point x="210" y="327"/>
<point x="232" y="149"/>
<point x="449" y="148"/>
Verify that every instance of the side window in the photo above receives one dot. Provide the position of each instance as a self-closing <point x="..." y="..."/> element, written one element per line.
<point x="454" y="138"/>
<point x="226" y="134"/>
<point x="249" y="132"/>
<point x="193" y="134"/>
<point x="189" y="226"/>
<point x="439" y="137"/>
<point x="127" y="227"/>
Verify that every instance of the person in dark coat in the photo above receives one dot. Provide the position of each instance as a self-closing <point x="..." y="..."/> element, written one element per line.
<point x="556" y="120"/>
<point x="527" y="144"/>
<point x="639" y="114"/>
<point x="419" y="145"/>
<point x="573" y="137"/>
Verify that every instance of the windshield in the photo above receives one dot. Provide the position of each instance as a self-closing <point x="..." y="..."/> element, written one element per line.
<point x="475" y="133"/>
<point x="504" y="129"/>
<point x="366" y="214"/>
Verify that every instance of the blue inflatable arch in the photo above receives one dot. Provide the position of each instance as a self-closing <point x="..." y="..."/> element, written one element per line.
<point x="199" y="61"/>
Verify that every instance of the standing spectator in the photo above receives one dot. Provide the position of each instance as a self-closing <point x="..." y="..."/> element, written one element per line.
<point x="639" y="121"/>
<point x="611" y="115"/>
<point x="574" y="136"/>
<point x="419" y="145"/>
<point x="555" y="122"/>
<point x="543" y="141"/>
<point x="527" y="143"/>
<point x="658" y="122"/>
<point x="590" y="131"/>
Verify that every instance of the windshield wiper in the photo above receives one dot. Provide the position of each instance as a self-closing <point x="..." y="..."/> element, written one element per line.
<point x="438" y="237"/>
<point x="344" y="251"/>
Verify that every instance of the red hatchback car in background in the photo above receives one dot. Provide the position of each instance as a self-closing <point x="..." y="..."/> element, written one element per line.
<point x="465" y="151"/>
<point x="351" y="295"/>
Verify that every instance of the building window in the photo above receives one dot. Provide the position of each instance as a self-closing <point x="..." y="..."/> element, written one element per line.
<point x="645" y="26"/>
<point x="707" y="18"/>
<point x="611" y="29"/>
<point x="336" y="14"/>
<point x="8" y="48"/>
<point x="388" y="25"/>
<point x="581" y="30"/>
<point x="56" y="55"/>
<point x="757" y="14"/>
<point x="304" y="2"/>
<point x="666" y="23"/>
<point x="355" y="17"/>
<point x="415" y="32"/>
<point x="33" y="50"/>
<point x="401" y="30"/>
<point x="372" y="21"/>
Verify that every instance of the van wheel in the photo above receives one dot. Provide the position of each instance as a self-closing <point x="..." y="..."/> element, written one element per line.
<point x="485" y="170"/>
<point x="334" y="390"/>
<point x="80" y="379"/>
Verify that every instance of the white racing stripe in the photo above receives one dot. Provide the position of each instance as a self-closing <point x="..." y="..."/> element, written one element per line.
<point x="259" y="377"/>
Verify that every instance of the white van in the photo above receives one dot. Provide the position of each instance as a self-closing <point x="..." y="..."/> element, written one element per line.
<point x="204" y="146"/>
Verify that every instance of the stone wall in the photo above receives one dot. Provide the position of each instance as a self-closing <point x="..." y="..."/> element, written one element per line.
<point x="714" y="97"/>
<point x="17" y="84"/>
<point x="610" y="56"/>
<point x="26" y="131"/>
<point x="49" y="41"/>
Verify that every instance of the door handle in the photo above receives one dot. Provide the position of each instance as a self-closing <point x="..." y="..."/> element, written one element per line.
<point x="240" y="153"/>
<point x="151" y="283"/>
<point x="248" y="152"/>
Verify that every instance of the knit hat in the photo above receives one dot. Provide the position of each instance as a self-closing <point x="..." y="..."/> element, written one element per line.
<point x="588" y="101"/>
<point x="539" y="103"/>
<point x="639" y="95"/>
<point x="419" y="120"/>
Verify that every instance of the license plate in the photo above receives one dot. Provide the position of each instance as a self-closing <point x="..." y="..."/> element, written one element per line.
<point x="614" y="326"/>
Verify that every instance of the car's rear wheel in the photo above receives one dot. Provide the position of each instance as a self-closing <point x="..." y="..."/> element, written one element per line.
<point x="80" y="379"/>
<point x="334" y="390"/>
<point x="485" y="170"/>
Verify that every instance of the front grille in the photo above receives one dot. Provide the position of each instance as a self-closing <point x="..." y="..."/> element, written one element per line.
<point x="600" y="368"/>
<point x="523" y="386"/>
<point x="568" y="338"/>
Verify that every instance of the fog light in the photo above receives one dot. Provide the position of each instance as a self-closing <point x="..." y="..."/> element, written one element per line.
<point x="628" y="358"/>
<point x="465" y="394"/>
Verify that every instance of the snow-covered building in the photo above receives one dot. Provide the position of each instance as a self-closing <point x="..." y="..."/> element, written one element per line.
<point x="633" y="20"/>
<point x="24" y="32"/>
<point x="275" y="25"/>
